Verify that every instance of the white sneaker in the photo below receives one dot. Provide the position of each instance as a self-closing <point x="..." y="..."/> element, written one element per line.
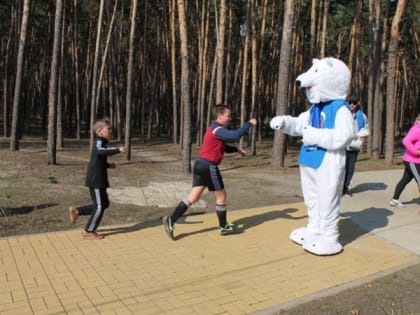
<point x="396" y="203"/>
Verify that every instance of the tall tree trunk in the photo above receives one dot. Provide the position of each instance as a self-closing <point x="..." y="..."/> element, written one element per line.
<point x="60" y="83"/>
<point x="374" y="64"/>
<point x="254" y="77"/>
<point x="220" y="51"/>
<point x="202" y="68"/>
<point x="76" y="68"/>
<point x="144" y="79"/>
<point x="172" y="9"/>
<point x="312" y="48"/>
<point x="283" y="77"/>
<point x="379" y="108"/>
<point x="324" y="33"/>
<point x="185" y="89"/>
<point x="52" y="95"/>
<point x="93" y="105"/>
<point x="354" y="44"/>
<point x="245" y="65"/>
<point x="390" y="82"/>
<point x="128" y="98"/>
<point x="14" y="136"/>
<point x="105" y="53"/>
<point x="6" y="82"/>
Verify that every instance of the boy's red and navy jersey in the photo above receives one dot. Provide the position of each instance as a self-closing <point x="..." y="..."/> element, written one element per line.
<point x="215" y="141"/>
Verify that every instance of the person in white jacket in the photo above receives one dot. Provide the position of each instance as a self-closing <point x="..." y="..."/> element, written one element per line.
<point x="361" y="132"/>
<point x="326" y="129"/>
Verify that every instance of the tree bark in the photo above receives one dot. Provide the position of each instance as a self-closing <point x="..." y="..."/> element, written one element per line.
<point x="324" y="32"/>
<point x="14" y="136"/>
<point x="93" y="105"/>
<point x="52" y="95"/>
<point x="390" y="82"/>
<point x="282" y="96"/>
<point x="128" y="97"/>
<point x="172" y="10"/>
<point x="220" y="51"/>
<point x="185" y="89"/>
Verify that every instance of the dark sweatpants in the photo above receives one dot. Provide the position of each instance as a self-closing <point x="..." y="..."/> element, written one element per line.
<point x="96" y="209"/>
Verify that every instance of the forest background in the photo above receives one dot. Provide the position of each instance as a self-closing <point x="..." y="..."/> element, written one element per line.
<point x="157" y="67"/>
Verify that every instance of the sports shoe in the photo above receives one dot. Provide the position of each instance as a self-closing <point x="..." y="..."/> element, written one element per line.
<point x="168" y="226"/>
<point x="227" y="229"/>
<point x="73" y="214"/>
<point x="347" y="192"/>
<point x="396" y="203"/>
<point x="92" y="236"/>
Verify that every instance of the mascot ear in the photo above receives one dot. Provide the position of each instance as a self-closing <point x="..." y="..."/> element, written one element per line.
<point x="329" y="62"/>
<point x="315" y="61"/>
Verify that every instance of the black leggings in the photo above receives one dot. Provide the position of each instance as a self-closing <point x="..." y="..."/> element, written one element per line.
<point x="412" y="170"/>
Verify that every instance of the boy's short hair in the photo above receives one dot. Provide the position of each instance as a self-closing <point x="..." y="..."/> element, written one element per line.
<point x="101" y="123"/>
<point x="220" y="109"/>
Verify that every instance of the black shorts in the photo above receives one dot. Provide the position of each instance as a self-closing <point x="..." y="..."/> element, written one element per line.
<point x="207" y="174"/>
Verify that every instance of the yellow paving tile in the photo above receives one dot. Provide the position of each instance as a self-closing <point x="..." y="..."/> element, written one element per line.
<point x="138" y="270"/>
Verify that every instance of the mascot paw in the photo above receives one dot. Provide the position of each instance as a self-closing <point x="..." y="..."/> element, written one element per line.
<point x="277" y="122"/>
<point x="301" y="235"/>
<point x="322" y="247"/>
<point x="309" y="136"/>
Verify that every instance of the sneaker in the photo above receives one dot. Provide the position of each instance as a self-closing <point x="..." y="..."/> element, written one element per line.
<point x="168" y="226"/>
<point x="92" y="236"/>
<point x="396" y="203"/>
<point x="227" y="229"/>
<point x="347" y="192"/>
<point x="73" y="215"/>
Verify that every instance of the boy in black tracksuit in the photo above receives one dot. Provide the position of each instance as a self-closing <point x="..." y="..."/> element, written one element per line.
<point x="97" y="179"/>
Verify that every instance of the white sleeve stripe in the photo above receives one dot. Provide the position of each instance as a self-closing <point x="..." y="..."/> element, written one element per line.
<point x="215" y="130"/>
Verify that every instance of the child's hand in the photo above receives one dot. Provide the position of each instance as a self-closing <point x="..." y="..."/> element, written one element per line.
<point x="122" y="149"/>
<point x="241" y="152"/>
<point x="112" y="165"/>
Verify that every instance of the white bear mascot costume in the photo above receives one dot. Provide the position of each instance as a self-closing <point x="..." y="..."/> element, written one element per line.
<point x="326" y="129"/>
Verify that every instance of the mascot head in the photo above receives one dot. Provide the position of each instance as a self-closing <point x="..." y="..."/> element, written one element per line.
<point x="328" y="79"/>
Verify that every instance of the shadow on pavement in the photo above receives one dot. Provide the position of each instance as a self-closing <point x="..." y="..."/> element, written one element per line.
<point x="355" y="224"/>
<point x="252" y="221"/>
<point x="368" y="186"/>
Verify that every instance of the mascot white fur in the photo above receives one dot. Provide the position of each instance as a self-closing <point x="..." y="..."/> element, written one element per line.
<point x="326" y="129"/>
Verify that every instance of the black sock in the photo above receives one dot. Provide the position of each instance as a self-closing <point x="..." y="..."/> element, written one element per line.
<point x="179" y="210"/>
<point x="221" y="215"/>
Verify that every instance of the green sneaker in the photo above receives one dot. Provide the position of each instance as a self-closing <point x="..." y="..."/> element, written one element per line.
<point x="227" y="229"/>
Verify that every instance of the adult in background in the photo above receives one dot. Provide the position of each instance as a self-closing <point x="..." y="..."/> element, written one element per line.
<point x="361" y="131"/>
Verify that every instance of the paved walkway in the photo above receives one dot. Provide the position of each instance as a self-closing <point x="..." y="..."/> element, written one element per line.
<point x="137" y="269"/>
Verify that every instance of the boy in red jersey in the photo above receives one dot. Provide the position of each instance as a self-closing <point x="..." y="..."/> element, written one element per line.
<point x="206" y="172"/>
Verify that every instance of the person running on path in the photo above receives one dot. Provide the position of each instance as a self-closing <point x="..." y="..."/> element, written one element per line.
<point x="97" y="179"/>
<point x="206" y="172"/>
<point x="411" y="160"/>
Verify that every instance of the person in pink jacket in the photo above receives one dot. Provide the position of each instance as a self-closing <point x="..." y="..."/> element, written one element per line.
<point x="411" y="160"/>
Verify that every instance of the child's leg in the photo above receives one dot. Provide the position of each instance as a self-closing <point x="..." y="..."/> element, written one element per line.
<point x="220" y="196"/>
<point x="87" y="209"/>
<point x="182" y="207"/>
<point x="100" y="198"/>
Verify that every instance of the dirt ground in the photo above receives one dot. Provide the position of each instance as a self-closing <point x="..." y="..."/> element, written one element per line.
<point x="34" y="198"/>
